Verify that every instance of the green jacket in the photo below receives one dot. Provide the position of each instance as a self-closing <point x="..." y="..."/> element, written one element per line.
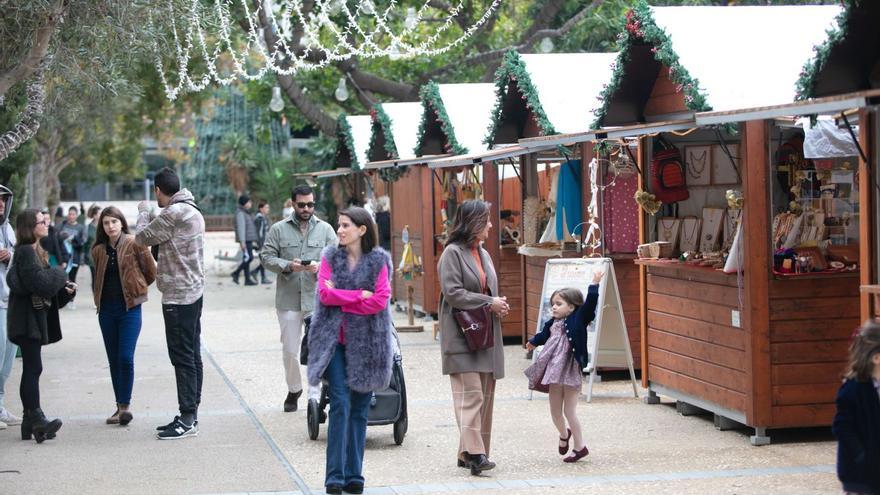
<point x="285" y="242"/>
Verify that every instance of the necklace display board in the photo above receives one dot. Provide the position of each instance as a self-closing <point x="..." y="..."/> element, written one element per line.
<point x="607" y="338"/>
<point x="731" y="218"/>
<point x="690" y="234"/>
<point x="713" y="222"/>
<point x="699" y="165"/>
<point x="668" y="229"/>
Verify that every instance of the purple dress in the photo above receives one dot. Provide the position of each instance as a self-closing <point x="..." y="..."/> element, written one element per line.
<point x="555" y="364"/>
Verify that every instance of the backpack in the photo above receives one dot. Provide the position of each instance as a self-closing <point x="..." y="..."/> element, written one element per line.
<point x="668" y="181"/>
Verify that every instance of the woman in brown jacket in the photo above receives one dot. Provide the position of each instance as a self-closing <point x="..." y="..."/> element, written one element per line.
<point x="123" y="271"/>
<point x="468" y="281"/>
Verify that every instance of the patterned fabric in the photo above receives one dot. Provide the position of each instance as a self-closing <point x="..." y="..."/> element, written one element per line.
<point x="179" y="231"/>
<point x="555" y="364"/>
<point x="621" y="215"/>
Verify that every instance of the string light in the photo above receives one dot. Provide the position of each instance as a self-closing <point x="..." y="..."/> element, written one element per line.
<point x="341" y="92"/>
<point x="276" y="104"/>
<point x="331" y="32"/>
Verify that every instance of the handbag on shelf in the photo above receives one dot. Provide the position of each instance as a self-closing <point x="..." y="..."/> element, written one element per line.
<point x="476" y="325"/>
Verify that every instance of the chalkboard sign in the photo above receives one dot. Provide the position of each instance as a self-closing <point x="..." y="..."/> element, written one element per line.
<point x="607" y="339"/>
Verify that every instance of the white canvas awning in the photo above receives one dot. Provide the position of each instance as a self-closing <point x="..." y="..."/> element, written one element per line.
<point x="361" y="127"/>
<point x="469" y="108"/>
<point x="405" y="118"/>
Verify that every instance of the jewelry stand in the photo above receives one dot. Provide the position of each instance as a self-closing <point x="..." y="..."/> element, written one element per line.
<point x="712" y="223"/>
<point x="668" y="229"/>
<point x="690" y="234"/>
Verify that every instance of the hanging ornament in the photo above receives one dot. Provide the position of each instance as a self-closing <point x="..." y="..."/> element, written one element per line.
<point x="276" y="104"/>
<point x="341" y="92"/>
<point x="546" y="45"/>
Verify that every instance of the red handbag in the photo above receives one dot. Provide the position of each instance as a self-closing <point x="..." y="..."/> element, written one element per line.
<point x="668" y="180"/>
<point x="476" y="325"/>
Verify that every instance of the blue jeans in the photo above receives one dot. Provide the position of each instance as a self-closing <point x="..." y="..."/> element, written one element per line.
<point x="347" y="430"/>
<point x="121" y="329"/>
<point x="7" y="356"/>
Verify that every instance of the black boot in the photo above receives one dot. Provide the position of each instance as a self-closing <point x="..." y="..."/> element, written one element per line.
<point x="479" y="463"/>
<point x="34" y="423"/>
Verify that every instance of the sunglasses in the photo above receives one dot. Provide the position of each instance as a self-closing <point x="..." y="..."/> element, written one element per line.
<point x="310" y="204"/>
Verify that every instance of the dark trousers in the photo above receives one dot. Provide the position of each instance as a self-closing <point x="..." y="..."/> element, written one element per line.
<point x="120" y="329"/>
<point x="31" y="369"/>
<point x="347" y="432"/>
<point x="183" y="330"/>
<point x="72" y="275"/>
<point x="261" y="271"/>
<point x="246" y="257"/>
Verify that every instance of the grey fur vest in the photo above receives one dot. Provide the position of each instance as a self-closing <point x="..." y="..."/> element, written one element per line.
<point x="368" y="352"/>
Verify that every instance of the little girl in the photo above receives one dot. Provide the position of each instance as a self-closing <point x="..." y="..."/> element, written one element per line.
<point x="857" y="422"/>
<point x="557" y="369"/>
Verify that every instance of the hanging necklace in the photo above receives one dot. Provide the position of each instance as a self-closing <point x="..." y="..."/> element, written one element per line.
<point x="690" y="237"/>
<point x="696" y="165"/>
<point x="667" y="230"/>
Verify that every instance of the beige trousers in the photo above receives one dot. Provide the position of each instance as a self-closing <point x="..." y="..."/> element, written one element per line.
<point x="291" y="323"/>
<point x="473" y="396"/>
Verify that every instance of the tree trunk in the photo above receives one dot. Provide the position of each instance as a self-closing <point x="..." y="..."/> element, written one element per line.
<point x="46" y="170"/>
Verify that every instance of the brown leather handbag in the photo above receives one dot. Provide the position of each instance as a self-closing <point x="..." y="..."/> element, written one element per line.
<point x="476" y="325"/>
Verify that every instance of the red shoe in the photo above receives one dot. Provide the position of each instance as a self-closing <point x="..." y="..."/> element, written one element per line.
<point x="577" y="455"/>
<point x="563" y="449"/>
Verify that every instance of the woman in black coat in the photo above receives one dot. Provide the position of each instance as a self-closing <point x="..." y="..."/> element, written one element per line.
<point x="37" y="291"/>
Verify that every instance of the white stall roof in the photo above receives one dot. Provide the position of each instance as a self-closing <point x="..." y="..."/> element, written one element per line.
<point x="405" y="119"/>
<point x="469" y="108"/>
<point x="361" y="127"/>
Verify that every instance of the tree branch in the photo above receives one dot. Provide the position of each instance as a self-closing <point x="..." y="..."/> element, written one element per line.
<point x="34" y="57"/>
<point x="543" y="19"/>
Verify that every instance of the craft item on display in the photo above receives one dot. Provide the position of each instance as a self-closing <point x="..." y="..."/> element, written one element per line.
<point x="814" y="257"/>
<point x="568" y="199"/>
<point x="647" y="202"/>
<point x="592" y="240"/>
<point x="690" y="234"/>
<point x="668" y="230"/>
<point x="533" y="212"/>
<point x="698" y="161"/>
<point x="668" y="177"/>
<point x="654" y="250"/>
<point x="794" y="234"/>
<point x="713" y="222"/>
<point x="470" y="187"/>
<point x="783" y="223"/>
<point x="731" y="220"/>
<point x="723" y="170"/>
<point x="812" y="228"/>
<point x="410" y="265"/>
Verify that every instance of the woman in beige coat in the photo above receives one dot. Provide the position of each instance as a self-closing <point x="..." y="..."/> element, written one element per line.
<point x="468" y="281"/>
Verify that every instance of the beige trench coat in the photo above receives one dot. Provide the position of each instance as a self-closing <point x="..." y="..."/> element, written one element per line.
<point x="460" y="289"/>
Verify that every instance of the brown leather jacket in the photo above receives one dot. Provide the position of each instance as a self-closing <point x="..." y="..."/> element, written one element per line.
<point x="137" y="270"/>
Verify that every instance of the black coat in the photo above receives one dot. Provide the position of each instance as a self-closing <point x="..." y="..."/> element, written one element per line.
<point x="575" y="327"/>
<point x="857" y="428"/>
<point x="27" y="276"/>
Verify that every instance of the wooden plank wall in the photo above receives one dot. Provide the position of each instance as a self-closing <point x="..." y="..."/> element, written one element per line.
<point x="510" y="281"/>
<point x="691" y="345"/>
<point x="665" y="98"/>
<point x="406" y="193"/>
<point x="811" y="321"/>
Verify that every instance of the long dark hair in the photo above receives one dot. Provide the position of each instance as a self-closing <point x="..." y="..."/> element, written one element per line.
<point x="470" y="218"/>
<point x="110" y="211"/>
<point x="362" y="218"/>
<point x="25" y="225"/>
<point x="864" y="346"/>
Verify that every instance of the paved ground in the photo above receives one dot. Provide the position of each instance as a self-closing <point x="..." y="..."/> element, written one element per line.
<point x="247" y="445"/>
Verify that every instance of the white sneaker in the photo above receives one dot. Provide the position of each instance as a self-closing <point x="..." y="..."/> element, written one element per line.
<point x="9" y="418"/>
<point x="71" y="306"/>
<point x="2" y="425"/>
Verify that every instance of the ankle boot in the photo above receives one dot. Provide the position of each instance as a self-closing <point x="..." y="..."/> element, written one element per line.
<point x="35" y="424"/>
<point x="479" y="463"/>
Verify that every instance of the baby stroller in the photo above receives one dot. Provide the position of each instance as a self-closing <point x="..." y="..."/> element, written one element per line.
<point x="387" y="406"/>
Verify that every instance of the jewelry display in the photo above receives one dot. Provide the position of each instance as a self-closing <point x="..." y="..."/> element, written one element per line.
<point x="713" y="219"/>
<point x="723" y="170"/>
<point x="690" y="234"/>
<point x="731" y="219"/>
<point x="668" y="229"/>
<point x="698" y="161"/>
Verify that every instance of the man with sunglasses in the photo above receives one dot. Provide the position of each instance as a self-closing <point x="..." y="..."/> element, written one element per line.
<point x="292" y="250"/>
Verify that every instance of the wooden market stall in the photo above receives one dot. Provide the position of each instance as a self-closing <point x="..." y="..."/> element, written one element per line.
<point x="763" y="349"/>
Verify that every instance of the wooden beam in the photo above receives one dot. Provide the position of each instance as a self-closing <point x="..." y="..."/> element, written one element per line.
<point x="868" y="220"/>
<point x="491" y="188"/>
<point x="642" y="158"/>
<point x="755" y="315"/>
<point x="426" y="186"/>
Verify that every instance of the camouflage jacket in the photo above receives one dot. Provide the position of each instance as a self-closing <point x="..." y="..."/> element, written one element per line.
<point x="179" y="231"/>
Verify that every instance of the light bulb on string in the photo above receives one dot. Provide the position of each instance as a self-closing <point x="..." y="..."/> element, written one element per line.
<point x="341" y="92"/>
<point x="276" y="104"/>
<point x="335" y="6"/>
<point x="367" y="7"/>
<point x="395" y="54"/>
<point x="411" y="19"/>
<point x="546" y="45"/>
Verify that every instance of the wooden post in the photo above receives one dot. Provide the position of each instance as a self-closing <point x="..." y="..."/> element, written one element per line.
<point x="867" y="209"/>
<point x="642" y="157"/>
<point x="757" y="258"/>
<point x="430" y="298"/>
<point x="412" y="327"/>
<point x="490" y="194"/>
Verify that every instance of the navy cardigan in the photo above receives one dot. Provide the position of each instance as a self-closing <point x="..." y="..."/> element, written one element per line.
<point x="857" y="428"/>
<point x="575" y="327"/>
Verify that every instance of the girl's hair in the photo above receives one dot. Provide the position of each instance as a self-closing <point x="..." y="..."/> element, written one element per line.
<point x="470" y="219"/>
<point x="25" y="225"/>
<point x="93" y="211"/>
<point x="865" y="344"/>
<point x="362" y="218"/>
<point x="110" y="211"/>
<point x="570" y="295"/>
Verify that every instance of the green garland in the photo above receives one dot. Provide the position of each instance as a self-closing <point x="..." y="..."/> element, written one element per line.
<point x="345" y="138"/>
<point x="433" y="103"/>
<point x="805" y="87"/>
<point x="641" y="28"/>
<point x="513" y="68"/>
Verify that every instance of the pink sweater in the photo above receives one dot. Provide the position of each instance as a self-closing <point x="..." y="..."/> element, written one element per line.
<point x="352" y="301"/>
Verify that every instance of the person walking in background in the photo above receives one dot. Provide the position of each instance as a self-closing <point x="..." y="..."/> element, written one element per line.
<point x="36" y="293"/>
<point x="350" y="342"/>
<point x="857" y="422"/>
<point x="292" y="250"/>
<point x="288" y="208"/>
<point x="261" y="221"/>
<point x="468" y="281"/>
<point x="93" y="214"/>
<point x="179" y="231"/>
<point x="557" y="370"/>
<point x="245" y="236"/>
<point x="383" y="222"/>
<point x="52" y="243"/>
<point x="7" y="348"/>
<point x="125" y="270"/>
<point x="74" y="235"/>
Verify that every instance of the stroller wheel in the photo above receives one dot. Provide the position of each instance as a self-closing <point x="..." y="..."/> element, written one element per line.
<point x="313" y="415"/>
<point x="400" y="428"/>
